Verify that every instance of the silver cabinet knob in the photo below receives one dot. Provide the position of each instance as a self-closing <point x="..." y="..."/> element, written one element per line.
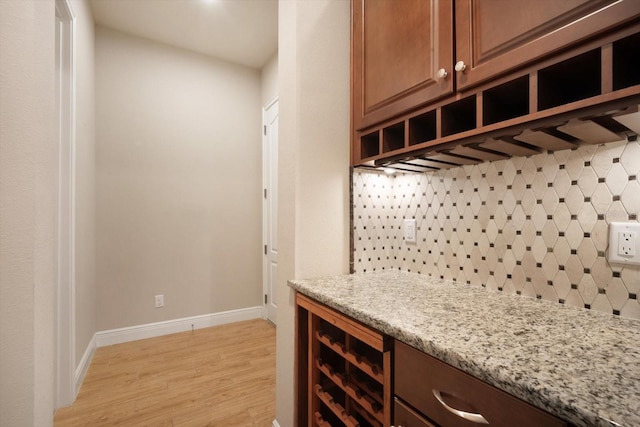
<point x="442" y="73"/>
<point x="460" y="66"/>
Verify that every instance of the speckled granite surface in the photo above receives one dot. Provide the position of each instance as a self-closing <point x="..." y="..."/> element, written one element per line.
<point x="580" y="365"/>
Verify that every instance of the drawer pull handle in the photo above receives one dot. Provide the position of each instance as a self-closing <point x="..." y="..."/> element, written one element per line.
<point x="470" y="416"/>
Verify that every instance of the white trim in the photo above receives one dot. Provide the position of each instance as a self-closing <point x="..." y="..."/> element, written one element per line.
<point x="150" y="330"/>
<point x="83" y="366"/>
<point x="65" y="287"/>
<point x="275" y="423"/>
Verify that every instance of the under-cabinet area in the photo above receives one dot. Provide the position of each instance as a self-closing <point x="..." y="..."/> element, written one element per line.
<point x="457" y="355"/>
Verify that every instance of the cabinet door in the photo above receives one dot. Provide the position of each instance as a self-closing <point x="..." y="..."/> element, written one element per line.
<point x="496" y="36"/>
<point x="397" y="49"/>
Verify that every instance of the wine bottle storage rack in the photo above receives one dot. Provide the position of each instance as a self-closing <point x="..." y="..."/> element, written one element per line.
<point x="558" y="104"/>
<point x="345" y="368"/>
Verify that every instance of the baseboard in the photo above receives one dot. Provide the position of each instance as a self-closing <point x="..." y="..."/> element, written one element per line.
<point x="275" y="423"/>
<point x="150" y="330"/>
<point x="83" y="366"/>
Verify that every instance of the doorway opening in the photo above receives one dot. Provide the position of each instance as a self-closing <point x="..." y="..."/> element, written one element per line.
<point x="270" y="209"/>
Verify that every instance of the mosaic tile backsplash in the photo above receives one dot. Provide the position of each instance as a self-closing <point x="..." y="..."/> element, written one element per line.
<point x="535" y="226"/>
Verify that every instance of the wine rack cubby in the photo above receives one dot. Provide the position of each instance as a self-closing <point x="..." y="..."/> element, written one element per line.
<point x="344" y="370"/>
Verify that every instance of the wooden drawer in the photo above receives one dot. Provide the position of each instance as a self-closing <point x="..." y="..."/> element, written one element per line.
<point x="419" y="377"/>
<point x="404" y="416"/>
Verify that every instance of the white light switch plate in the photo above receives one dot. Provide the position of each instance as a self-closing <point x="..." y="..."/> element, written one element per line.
<point x="624" y="243"/>
<point x="409" y="228"/>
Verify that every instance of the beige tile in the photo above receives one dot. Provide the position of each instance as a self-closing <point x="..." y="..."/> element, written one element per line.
<point x="631" y="277"/>
<point x="600" y="235"/>
<point x="509" y="233"/>
<point x="630" y="197"/>
<point x="509" y="260"/>
<point x="617" y="293"/>
<point x="518" y="218"/>
<point x="587" y="217"/>
<point x="601" y="199"/>
<point x="539" y="185"/>
<point x="509" y="202"/>
<point x="562" y="284"/>
<point x="551" y="167"/>
<point x="549" y="294"/>
<point x="528" y="201"/>
<point x="539" y="249"/>
<point x="601" y="303"/>
<point x="588" y="289"/>
<point x="587" y="181"/>
<point x="574" y="165"/>
<point x="518" y="278"/>
<point x="562" y="250"/>
<point x="550" y="200"/>
<point x="500" y="275"/>
<point x="574" y="299"/>
<point x="539" y="282"/>
<point x="528" y="290"/>
<point x="562" y="217"/>
<point x="630" y="158"/>
<point x="509" y="172"/>
<point x="587" y="253"/>
<point x="616" y="212"/>
<point x="529" y="169"/>
<point x="529" y="232"/>
<point x="562" y="183"/>
<point x="601" y="271"/>
<point x="616" y="179"/>
<point x="550" y="234"/>
<point x="539" y="217"/>
<point x="574" y="234"/>
<point x="574" y="200"/>
<point x="574" y="270"/>
<point x="602" y="161"/>
<point x="550" y="266"/>
<point x="631" y="309"/>
<point x="518" y="247"/>
<point x="529" y="264"/>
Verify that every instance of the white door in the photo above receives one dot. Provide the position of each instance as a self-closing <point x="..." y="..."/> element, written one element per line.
<point x="270" y="208"/>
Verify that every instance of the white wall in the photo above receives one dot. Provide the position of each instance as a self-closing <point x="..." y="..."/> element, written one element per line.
<point x="27" y="212"/>
<point x="85" y="280"/>
<point x="269" y="84"/>
<point x="178" y="149"/>
<point x="314" y="162"/>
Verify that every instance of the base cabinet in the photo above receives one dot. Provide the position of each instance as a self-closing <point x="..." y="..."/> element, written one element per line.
<point x="440" y="394"/>
<point x="344" y="370"/>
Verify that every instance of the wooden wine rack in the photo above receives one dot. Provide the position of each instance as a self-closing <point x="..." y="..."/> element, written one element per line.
<point x="343" y="369"/>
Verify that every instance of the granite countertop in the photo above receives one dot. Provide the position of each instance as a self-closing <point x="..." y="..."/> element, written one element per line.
<point x="579" y="365"/>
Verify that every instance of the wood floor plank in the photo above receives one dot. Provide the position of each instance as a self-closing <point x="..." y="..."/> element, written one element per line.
<point x="220" y="376"/>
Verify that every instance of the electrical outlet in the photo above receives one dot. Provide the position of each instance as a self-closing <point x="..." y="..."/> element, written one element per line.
<point x="409" y="226"/>
<point x="627" y="243"/>
<point x="159" y="301"/>
<point x="624" y="242"/>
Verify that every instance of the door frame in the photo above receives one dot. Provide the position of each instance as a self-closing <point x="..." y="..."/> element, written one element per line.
<point x="266" y="168"/>
<point x="65" y="378"/>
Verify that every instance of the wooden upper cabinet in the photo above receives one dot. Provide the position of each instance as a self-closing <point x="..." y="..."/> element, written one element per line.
<point x="494" y="37"/>
<point x="398" y="47"/>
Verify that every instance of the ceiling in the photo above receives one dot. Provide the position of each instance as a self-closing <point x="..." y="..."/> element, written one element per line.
<point x="240" y="31"/>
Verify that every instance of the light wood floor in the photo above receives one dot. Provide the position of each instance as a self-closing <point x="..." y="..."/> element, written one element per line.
<point x="220" y="376"/>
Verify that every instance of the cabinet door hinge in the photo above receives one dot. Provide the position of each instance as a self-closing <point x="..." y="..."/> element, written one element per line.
<point x="265" y="249"/>
<point x="265" y="298"/>
<point x="265" y="193"/>
<point x="264" y="130"/>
